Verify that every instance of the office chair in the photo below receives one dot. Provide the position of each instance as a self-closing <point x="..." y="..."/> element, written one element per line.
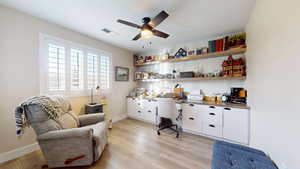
<point x="166" y="123"/>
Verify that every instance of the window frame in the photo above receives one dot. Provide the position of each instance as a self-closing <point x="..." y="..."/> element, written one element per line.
<point x="68" y="45"/>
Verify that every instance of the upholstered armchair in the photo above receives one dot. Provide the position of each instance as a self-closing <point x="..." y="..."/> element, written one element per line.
<point x="70" y="140"/>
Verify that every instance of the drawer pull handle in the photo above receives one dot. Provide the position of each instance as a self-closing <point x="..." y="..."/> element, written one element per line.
<point x="139" y="111"/>
<point x="212" y="114"/>
<point x="191" y="118"/>
<point x="191" y="104"/>
<point x="212" y="125"/>
<point x="212" y="107"/>
<point x="227" y="108"/>
<point x="149" y="111"/>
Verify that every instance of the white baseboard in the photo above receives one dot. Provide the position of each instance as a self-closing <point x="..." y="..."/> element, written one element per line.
<point x="120" y="117"/>
<point x="7" y="156"/>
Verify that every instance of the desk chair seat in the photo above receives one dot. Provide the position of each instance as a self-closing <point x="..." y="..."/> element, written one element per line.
<point x="166" y="123"/>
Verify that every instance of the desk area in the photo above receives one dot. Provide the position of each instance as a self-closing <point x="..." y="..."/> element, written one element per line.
<point x="222" y="121"/>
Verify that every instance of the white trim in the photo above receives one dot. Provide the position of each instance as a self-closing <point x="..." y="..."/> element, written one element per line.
<point x="120" y="117"/>
<point x="10" y="155"/>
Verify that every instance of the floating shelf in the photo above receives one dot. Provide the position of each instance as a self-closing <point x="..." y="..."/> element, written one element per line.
<point x="194" y="79"/>
<point x="193" y="57"/>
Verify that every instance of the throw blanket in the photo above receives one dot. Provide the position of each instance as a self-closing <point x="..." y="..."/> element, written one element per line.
<point x="49" y="106"/>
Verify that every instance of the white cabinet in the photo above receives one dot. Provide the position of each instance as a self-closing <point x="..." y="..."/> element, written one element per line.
<point x="212" y="121"/>
<point x="213" y="115"/>
<point x="191" y="118"/>
<point x="142" y="109"/>
<point x="212" y="130"/>
<point x="231" y="124"/>
<point x="236" y="125"/>
<point x="131" y="108"/>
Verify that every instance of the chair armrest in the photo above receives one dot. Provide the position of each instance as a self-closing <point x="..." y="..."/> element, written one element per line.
<point x="90" y="119"/>
<point x="68" y="147"/>
<point x="66" y="133"/>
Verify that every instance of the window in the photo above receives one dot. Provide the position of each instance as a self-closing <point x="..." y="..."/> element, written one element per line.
<point x="72" y="69"/>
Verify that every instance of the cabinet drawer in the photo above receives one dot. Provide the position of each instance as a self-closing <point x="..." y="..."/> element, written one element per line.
<point x="191" y="122"/>
<point x="214" y="109"/>
<point x="213" y="117"/>
<point x="212" y="129"/>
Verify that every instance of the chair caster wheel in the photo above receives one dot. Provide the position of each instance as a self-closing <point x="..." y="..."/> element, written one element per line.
<point x="158" y="133"/>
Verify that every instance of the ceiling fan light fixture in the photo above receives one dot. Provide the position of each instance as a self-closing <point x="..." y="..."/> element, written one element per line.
<point x="146" y="33"/>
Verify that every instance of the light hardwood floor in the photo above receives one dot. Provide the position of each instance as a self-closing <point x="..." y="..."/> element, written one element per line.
<point x="135" y="145"/>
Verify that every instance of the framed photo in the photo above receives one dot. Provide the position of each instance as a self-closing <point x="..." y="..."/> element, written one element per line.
<point x="122" y="74"/>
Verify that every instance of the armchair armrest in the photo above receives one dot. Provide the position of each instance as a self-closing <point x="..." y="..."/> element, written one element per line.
<point x="67" y="147"/>
<point x="66" y="133"/>
<point x="90" y="119"/>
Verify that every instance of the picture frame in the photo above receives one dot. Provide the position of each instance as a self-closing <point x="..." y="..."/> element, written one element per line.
<point x="121" y="73"/>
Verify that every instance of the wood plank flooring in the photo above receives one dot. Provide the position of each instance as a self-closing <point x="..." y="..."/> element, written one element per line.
<point x="135" y="145"/>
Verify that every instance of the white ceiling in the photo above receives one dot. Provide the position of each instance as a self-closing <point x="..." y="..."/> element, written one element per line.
<point x="189" y="20"/>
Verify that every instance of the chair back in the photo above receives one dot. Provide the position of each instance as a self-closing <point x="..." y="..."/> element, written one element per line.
<point x="40" y="122"/>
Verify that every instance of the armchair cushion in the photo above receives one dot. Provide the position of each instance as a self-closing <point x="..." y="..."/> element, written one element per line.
<point x="90" y="119"/>
<point x="68" y="120"/>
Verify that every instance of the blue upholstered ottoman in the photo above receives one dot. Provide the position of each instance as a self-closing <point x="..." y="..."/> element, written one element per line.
<point x="232" y="156"/>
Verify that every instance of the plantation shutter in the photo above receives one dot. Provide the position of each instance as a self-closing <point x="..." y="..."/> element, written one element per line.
<point x="92" y="70"/>
<point x="56" y="68"/>
<point x="104" y="72"/>
<point x="77" y="70"/>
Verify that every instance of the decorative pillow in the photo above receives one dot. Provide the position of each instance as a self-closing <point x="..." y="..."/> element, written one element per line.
<point x="61" y="101"/>
<point x="68" y="121"/>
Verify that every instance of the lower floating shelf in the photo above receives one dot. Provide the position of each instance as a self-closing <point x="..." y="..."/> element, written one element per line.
<point x="194" y="79"/>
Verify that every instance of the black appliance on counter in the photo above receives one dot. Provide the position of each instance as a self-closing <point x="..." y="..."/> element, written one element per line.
<point x="237" y="95"/>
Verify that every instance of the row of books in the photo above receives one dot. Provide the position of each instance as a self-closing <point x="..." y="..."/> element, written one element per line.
<point x="218" y="45"/>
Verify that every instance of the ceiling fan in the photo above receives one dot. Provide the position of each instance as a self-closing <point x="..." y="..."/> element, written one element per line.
<point x="147" y="29"/>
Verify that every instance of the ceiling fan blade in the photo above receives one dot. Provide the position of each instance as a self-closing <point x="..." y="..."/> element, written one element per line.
<point x="129" y="23"/>
<point x="160" y="34"/>
<point x="138" y="36"/>
<point x="158" y="19"/>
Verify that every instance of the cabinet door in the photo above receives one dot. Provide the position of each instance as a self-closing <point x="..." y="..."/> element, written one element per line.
<point x="130" y="107"/>
<point x="236" y="125"/>
<point x="134" y="108"/>
<point x="149" y="110"/>
<point x="191" y="117"/>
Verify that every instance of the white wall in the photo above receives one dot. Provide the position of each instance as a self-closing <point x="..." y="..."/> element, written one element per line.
<point x="273" y="79"/>
<point x="19" y="70"/>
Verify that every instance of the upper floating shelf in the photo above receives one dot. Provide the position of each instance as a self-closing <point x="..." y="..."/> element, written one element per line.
<point x="194" y="79"/>
<point x="193" y="57"/>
